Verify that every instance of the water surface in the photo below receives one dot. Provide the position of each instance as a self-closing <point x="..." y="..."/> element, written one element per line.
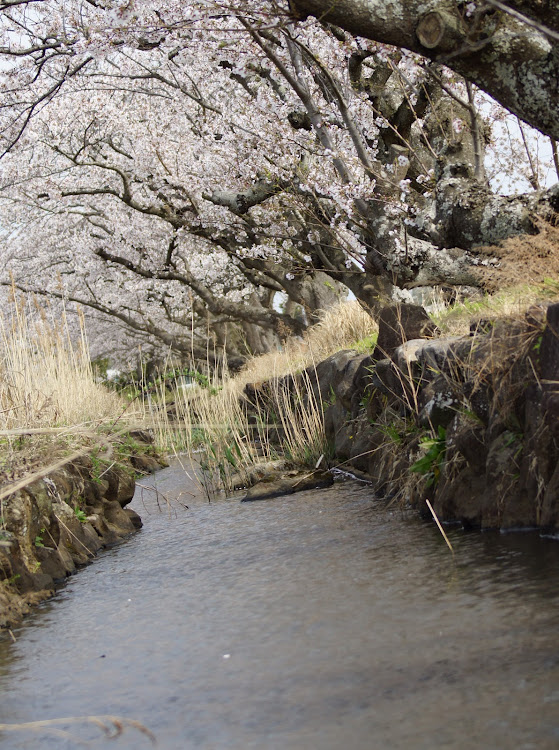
<point x="319" y="620"/>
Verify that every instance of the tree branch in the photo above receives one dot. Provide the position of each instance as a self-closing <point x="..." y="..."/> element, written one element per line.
<point x="517" y="64"/>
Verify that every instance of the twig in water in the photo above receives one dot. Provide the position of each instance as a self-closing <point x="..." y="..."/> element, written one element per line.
<point x="112" y="726"/>
<point x="158" y="493"/>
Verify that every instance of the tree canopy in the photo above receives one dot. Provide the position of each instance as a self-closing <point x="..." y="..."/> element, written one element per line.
<point x="228" y="170"/>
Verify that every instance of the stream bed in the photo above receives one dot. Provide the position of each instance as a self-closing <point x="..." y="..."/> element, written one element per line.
<point x="318" y="621"/>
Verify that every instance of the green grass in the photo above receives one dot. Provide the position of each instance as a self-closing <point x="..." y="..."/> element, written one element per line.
<point x="455" y="319"/>
<point x="366" y="344"/>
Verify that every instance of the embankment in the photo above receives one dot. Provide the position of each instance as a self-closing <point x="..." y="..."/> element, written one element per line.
<point x="469" y="423"/>
<point x="58" y="523"/>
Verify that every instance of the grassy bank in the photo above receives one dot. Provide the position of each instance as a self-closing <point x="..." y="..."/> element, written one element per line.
<point x="227" y="436"/>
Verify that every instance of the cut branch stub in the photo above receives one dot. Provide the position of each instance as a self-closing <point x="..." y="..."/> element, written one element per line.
<point x="440" y="30"/>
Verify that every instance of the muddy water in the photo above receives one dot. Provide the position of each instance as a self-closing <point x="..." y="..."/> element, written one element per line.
<point x="317" y="621"/>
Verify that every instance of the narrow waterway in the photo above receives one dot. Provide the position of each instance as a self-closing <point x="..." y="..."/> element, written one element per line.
<point x="321" y="620"/>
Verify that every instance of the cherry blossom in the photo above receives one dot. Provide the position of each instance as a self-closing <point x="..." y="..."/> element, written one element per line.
<point x="179" y="171"/>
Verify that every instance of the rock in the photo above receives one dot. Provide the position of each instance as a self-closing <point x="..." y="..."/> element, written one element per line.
<point x="7" y="540"/>
<point x="481" y="326"/>
<point x="61" y="482"/>
<point x="459" y="351"/>
<point x="502" y="470"/>
<point x="105" y="531"/>
<point x="334" y="417"/>
<point x="118" y="518"/>
<point x="443" y="355"/>
<point x="80" y="539"/>
<point x="549" y="516"/>
<point x="345" y="388"/>
<point x="384" y="377"/>
<point x="536" y="315"/>
<point x="53" y="564"/>
<point x="121" y="484"/>
<point x="466" y="435"/>
<point x="478" y="396"/>
<point x="257" y="473"/>
<point x="93" y="492"/>
<point x="400" y="323"/>
<point x="406" y="355"/>
<point x="43" y="540"/>
<point x="438" y="403"/>
<point x="344" y="439"/>
<point x="364" y="446"/>
<point x="134" y="518"/>
<point x="269" y="490"/>
<point x="279" y="487"/>
<point x="315" y="480"/>
<point x="141" y="436"/>
<point x="460" y="498"/>
<point x="331" y="371"/>
<point x="496" y="393"/>
<point x="362" y="388"/>
<point x="549" y="369"/>
<point x="67" y="559"/>
<point x="39" y="492"/>
<point x="145" y="464"/>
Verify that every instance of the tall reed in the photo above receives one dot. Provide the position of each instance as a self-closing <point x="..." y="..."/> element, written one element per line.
<point x="46" y="379"/>
<point x="226" y="435"/>
<point x="212" y="425"/>
<point x="301" y="415"/>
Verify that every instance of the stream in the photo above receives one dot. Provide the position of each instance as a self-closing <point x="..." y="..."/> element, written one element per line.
<point x="319" y="621"/>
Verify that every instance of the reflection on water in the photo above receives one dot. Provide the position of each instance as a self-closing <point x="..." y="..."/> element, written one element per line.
<point x="319" y="620"/>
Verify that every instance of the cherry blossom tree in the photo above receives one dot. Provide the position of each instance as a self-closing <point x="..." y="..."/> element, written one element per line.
<point x="507" y="48"/>
<point x="193" y="167"/>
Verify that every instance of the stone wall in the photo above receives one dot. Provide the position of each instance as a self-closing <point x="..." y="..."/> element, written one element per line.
<point x="470" y="423"/>
<point x="58" y="523"/>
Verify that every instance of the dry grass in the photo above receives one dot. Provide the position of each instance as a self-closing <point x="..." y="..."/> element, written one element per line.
<point x="225" y="436"/>
<point x="523" y="259"/>
<point x="341" y="327"/>
<point x="301" y="415"/>
<point x="212" y="427"/>
<point x="51" y="406"/>
<point x="49" y="401"/>
<point x="45" y="381"/>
